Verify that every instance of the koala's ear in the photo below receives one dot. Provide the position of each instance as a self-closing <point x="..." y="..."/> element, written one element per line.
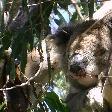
<point x="63" y="34"/>
<point x="72" y="30"/>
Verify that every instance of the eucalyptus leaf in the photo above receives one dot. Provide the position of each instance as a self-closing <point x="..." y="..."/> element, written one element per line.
<point x="54" y="103"/>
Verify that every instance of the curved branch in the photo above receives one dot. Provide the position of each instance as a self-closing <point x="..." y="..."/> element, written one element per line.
<point x="35" y="77"/>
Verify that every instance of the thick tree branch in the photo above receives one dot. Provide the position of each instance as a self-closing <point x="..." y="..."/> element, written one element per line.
<point x="103" y="11"/>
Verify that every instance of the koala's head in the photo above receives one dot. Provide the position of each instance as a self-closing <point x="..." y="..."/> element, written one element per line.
<point x="88" y="56"/>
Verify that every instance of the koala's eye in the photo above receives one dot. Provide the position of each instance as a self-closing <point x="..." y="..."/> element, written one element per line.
<point x="72" y="55"/>
<point x="100" y="52"/>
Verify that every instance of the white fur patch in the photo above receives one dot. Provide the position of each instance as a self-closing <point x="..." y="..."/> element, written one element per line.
<point x="91" y="69"/>
<point x="96" y="95"/>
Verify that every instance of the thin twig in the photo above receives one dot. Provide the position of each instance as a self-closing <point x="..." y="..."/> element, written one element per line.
<point x="26" y="83"/>
<point x="33" y="4"/>
<point x="77" y="9"/>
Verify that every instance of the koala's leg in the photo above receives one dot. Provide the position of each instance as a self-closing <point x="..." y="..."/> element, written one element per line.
<point x="107" y="92"/>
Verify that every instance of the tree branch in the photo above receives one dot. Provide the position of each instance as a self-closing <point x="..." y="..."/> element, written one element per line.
<point x="42" y="71"/>
<point x="103" y="11"/>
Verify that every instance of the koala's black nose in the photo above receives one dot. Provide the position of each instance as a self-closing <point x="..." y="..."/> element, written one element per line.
<point x="17" y="62"/>
<point x="74" y="68"/>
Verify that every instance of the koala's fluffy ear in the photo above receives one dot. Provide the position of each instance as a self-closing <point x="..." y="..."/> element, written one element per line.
<point x="63" y="34"/>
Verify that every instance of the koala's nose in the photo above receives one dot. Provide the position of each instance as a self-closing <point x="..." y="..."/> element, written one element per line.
<point x="75" y="68"/>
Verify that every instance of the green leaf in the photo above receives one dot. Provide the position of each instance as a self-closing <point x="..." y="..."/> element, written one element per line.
<point x="11" y="69"/>
<point x="29" y="37"/>
<point x="74" y="17"/>
<point x="54" y="103"/>
<point x="47" y="9"/>
<point x="91" y="8"/>
<point x="61" y="20"/>
<point x="6" y="39"/>
<point x="24" y="57"/>
<point x="24" y="3"/>
<point x="58" y="22"/>
<point x="64" y="3"/>
<point x="84" y="7"/>
<point x="17" y="42"/>
<point x="20" y="46"/>
<point x="2" y="107"/>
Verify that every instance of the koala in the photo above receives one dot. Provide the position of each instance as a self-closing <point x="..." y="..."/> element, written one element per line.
<point x="87" y="56"/>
